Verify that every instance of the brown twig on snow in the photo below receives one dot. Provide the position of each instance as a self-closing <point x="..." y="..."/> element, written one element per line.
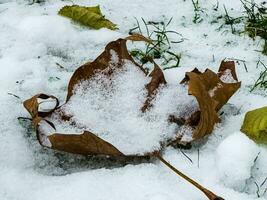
<point x="207" y="192"/>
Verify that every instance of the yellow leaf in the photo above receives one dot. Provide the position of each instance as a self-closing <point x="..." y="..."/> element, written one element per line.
<point x="255" y="125"/>
<point x="87" y="16"/>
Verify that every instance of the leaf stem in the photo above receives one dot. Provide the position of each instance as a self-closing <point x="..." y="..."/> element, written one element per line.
<point x="207" y="192"/>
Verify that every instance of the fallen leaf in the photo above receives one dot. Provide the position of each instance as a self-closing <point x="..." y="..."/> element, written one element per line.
<point x="87" y="16"/>
<point x="86" y="142"/>
<point x="207" y="87"/>
<point x="157" y="79"/>
<point x="212" y="91"/>
<point x="255" y="125"/>
<point x="32" y="105"/>
<point x="197" y="86"/>
<point x="138" y="37"/>
<point x="228" y="83"/>
<point x="102" y="62"/>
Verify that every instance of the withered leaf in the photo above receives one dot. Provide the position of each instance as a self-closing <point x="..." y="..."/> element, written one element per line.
<point x="208" y="88"/>
<point x="224" y="90"/>
<point x="157" y="79"/>
<point x="211" y="93"/>
<point x="197" y="86"/>
<point x="101" y="63"/>
<point x="86" y="143"/>
<point x="32" y="105"/>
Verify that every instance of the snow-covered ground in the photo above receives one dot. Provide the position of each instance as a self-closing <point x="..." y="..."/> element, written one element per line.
<point x="33" y="38"/>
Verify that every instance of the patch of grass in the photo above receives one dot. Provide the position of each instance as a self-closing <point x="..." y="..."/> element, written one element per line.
<point x="261" y="82"/>
<point x="256" y="24"/>
<point x="160" y="46"/>
<point x="254" y="18"/>
<point x="198" y="11"/>
<point x="229" y="21"/>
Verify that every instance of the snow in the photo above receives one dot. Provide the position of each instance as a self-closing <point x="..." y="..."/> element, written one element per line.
<point x="46" y="105"/>
<point x="34" y="38"/>
<point x="46" y="128"/>
<point x="231" y="160"/>
<point x="227" y="77"/>
<point x="110" y="107"/>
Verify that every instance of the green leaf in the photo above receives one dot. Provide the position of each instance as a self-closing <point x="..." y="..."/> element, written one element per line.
<point x="87" y="16"/>
<point x="255" y="125"/>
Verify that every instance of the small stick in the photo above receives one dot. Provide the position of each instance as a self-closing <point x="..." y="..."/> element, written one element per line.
<point x="207" y="192"/>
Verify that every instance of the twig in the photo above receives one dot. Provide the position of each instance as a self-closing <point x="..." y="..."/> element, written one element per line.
<point x="207" y="192"/>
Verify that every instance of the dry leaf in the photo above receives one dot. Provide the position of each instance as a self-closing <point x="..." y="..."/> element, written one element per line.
<point x="212" y="91"/>
<point x="157" y="79"/>
<point x="197" y="86"/>
<point x="101" y="63"/>
<point x="87" y="142"/>
<point x="33" y="104"/>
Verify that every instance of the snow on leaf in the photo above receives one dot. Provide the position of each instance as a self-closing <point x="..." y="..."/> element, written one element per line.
<point x="209" y="90"/>
<point x="255" y="125"/>
<point x="109" y="64"/>
<point x="85" y="142"/>
<point x="157" y="79"/>
<point x="87" y="16"/>
<point x="102" y="62"/>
